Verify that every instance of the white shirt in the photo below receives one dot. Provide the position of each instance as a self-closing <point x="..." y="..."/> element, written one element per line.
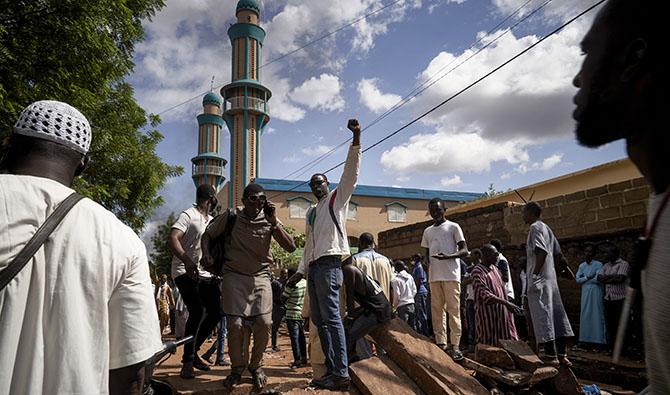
<point x="509" y="287"/>
<point x="443" y="238"/>
<point x="326" y="231"/>
<point x="193" y="224"/>
<point x="403" y="288"/>
<point x="82" y="306"/>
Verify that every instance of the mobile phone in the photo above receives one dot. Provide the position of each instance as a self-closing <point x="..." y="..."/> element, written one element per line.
<point x="267" y="209"/>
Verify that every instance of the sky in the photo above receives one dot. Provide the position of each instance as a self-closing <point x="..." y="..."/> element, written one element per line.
<point x="510" y="130"/>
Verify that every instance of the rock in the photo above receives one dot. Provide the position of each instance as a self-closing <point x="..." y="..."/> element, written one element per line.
<point x="543" y="373"/>
<point x="565" y="382"/>
<point x="372" y="376"/>
<point x="425" y="363"/>
<point x="522" y="354"/>
<point x="493" y="356"/>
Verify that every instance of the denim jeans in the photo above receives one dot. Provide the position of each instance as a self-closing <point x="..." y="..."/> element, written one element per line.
<point x="470" y="313"/>
<point x="421" y="306"/>
<point x="408" y="314"/>
<point x="278" y="313"/>
<point x="296" y="332"/>
<point x="324" y="283"/>
<point x="202" y="298"/>
<point x="218" y="345"/>
<point x="361" y="326"/>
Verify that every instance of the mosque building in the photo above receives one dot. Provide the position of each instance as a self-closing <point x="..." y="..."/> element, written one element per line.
<point x="243" y="106"/>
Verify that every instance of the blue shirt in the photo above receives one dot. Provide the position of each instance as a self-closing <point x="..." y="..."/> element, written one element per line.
<point x="420" y="278"/>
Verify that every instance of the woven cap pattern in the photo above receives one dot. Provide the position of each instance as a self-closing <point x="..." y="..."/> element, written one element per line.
<point x="55" y="121"/>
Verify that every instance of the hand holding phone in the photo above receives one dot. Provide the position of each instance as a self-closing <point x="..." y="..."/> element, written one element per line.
<point x="270" y="212"/>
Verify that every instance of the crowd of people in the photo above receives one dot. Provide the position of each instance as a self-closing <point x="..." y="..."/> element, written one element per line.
<point x="78" y="313"/>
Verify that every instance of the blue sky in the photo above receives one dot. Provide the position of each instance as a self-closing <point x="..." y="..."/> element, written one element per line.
<point x="511" y="130"/>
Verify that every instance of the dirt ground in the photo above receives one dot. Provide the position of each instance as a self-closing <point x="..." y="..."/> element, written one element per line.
<point x="281" y="379"/>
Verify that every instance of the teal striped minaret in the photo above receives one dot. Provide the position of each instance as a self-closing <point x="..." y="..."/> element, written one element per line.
<point x="208" y="165"/>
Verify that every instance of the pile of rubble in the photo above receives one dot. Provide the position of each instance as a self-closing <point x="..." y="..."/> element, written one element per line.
<point x="415" y="365"/>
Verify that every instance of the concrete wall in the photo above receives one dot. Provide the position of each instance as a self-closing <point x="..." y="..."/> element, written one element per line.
<point x="614" y="213"/>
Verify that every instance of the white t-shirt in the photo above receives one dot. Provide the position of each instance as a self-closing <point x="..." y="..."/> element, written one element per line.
<point x="404" y="289"/>
<point x="82" y="306"/>
<point x="443" y="238"/>
<point x="193" y="224"/>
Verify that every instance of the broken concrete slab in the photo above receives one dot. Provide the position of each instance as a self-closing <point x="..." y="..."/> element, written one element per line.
<point x="565" y="382"/>
<point x="543" y="373"/>
<point x="494" y="356"/>
<point x="425" y="363"/>
<point x="513" y="378"/>
<point x="372" y="376"/>
<point x="522" y="354"/>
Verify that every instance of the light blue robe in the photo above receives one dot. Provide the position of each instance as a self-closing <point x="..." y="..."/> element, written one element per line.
<point x="592" y="326"/>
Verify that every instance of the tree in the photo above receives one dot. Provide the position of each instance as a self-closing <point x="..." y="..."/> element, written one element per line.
<point x="289" y="260"/>
<point x="161" y="257"/>
<point x="79" y="52"/>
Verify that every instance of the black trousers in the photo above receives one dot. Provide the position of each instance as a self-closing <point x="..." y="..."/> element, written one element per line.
<point x="612" y="314"/>
<point x="203" y="301"/>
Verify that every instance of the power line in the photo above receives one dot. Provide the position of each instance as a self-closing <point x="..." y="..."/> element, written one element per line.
<point x="349" y="24"/>
<point x="419" y="89"/>
<point x="468" y="87"/>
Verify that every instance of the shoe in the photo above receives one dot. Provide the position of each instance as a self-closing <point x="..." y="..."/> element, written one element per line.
<point x="443" y="347"/>
<point x="199" y="364"/>
<point x="563" y="360"/>
<point x="336" y="383"/>
<point x="259" y="379"/>
<point x="187" y="371"/>
<point x="456" y="354"/>
<point x="303" y="362"/>
<point x="295" y="365"/>
<point x="223" y="362"/>
<point x="232" y="380"/>
<point x="550" y="360"/>
<point x="207" y="358"/>
<point x="320" y="382"/>
<point x="275" y="349"/>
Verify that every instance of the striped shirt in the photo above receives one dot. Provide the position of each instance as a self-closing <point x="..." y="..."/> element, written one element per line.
<point x="615" y="291"/>
<point x="294" y="297"/>
<point x="493" y="322"/>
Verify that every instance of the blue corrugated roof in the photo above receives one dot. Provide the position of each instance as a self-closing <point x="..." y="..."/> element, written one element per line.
<point x="272" y="184"/>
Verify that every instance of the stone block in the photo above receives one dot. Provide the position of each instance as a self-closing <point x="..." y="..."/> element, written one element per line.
<point x="493" y="356"/>
<point x="595" y="227"/>
<point x="565" y="383"/>
<point x="522" y="354"/>
<point x="555" y="201"/>
<point x="636" y="195"/>
<point x="511" y="378"/>
<point x="575" y="197"/>
<point x="609" y="213"/>
<point x="619" y="224"/>
<point x="425" y="363"/>
<point x="373" y="376"/>
<point x="543" y="373"/>
<point x="639" y="221"/>
<point x="640" y="182"/>
<point x="597" y="191"/>
<point x="633" y="209"/>
<point x="611" y="200"/>
<point x="551" y="212"/>
<point x="620" y="186"/>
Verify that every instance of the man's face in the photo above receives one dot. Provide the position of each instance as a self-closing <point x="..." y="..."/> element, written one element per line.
<point x="600" y="99"/>
<point x="436" y="211"/>
<point x="528" y="216"/>
<point x="588" y="253"/>
<point x="489" y="256"/>
<point x="254" y="203"/>
<point x="475" y="257"/>
<point x="319" y="186"/>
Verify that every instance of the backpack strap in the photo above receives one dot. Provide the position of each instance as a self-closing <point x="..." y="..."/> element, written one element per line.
<point x="39" y="238"/>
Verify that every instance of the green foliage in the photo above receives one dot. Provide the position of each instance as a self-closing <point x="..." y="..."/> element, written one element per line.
<point x="161" y="257"/>
<point x="289" y="260"/>
<point x="80" y="52"/>
<point x="491" y="192"/>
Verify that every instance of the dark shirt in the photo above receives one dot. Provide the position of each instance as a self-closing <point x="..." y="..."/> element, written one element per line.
<point x="362" y="289"/>
<point x="277" y="289"/>
<point x="420" y="278"/>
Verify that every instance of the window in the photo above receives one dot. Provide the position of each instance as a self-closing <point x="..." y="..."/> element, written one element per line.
<point x="298" y="207"/>
<point x="353" y="210"/>
<point x="397" y="212"/>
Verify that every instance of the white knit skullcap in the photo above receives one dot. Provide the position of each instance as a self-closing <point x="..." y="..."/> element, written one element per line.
<point x="55" y="121"/>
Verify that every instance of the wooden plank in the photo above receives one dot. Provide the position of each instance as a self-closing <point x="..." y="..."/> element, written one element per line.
<point x="372" y="376"/>
<point x="513" y="378"/>
<point x="425" y="363"/>
<point x="522" y="354"/>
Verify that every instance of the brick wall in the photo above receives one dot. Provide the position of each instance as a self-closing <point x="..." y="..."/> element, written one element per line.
<point x="610" y="213"/>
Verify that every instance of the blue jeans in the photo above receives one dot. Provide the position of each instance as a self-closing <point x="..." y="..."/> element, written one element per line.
<point x="361" y="326"/>
<point x="324" y="283"/>
<point x="408" y="314"/>
<point x="298" y="344"/>
<point x="422" y="309"/>
<point x="219" y="343"/>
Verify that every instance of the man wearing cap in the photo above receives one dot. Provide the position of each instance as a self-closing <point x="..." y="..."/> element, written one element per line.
<point x="246" y="284"/>
<point x="198" y="288"/>
<point x="80" y="316"/>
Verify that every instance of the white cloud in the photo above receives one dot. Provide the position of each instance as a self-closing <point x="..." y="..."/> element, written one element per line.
<point x="293" y="158"/>
<point x="270" y="130"/>
<point x="551" y="161"/>
<point x="316" y="151"/>
<point x="547" y="164"/>
<point x="372" y="98"/>
<point x="444" y="152"/>
<point x="402" y="178"/>
<point x="556" y="10"/>
<point x="322" y="93"/>
<point x="451" y="181"/>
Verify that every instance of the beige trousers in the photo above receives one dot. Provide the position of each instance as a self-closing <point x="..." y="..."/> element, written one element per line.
<point x="240" y="331"/>
<point x="445" y="296"/>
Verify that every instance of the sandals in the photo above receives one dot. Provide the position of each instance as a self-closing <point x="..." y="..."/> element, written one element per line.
<point x="232" y="380"/>
<point x="259" y="379"/>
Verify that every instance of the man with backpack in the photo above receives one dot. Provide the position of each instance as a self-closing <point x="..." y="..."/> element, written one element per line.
<point x="245" y="235"/>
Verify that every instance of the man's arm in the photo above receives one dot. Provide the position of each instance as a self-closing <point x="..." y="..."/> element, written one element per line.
<point x="462" y="252"/>
<point x="174" y="243"/>
<point x="282" y="237"/>
<point x="352" y="165"/>
<point x="427" y="255"/>
<point x="503" y="265"/>
<point x="540" y="257"/>
<point x="127" y="380"/>
<point x="349" y="280"/>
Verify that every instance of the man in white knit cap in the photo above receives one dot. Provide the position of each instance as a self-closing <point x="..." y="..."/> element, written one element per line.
<point x="79" y="317"/>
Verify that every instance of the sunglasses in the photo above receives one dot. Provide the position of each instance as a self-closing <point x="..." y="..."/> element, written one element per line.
<point x="255" y="198"/>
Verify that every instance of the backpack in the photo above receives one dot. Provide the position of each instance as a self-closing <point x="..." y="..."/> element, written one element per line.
<point x="217" y="247"/>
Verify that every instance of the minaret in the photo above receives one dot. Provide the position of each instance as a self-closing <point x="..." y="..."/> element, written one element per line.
<point x="245" y="100"/>
<point x="208" y="166"/>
